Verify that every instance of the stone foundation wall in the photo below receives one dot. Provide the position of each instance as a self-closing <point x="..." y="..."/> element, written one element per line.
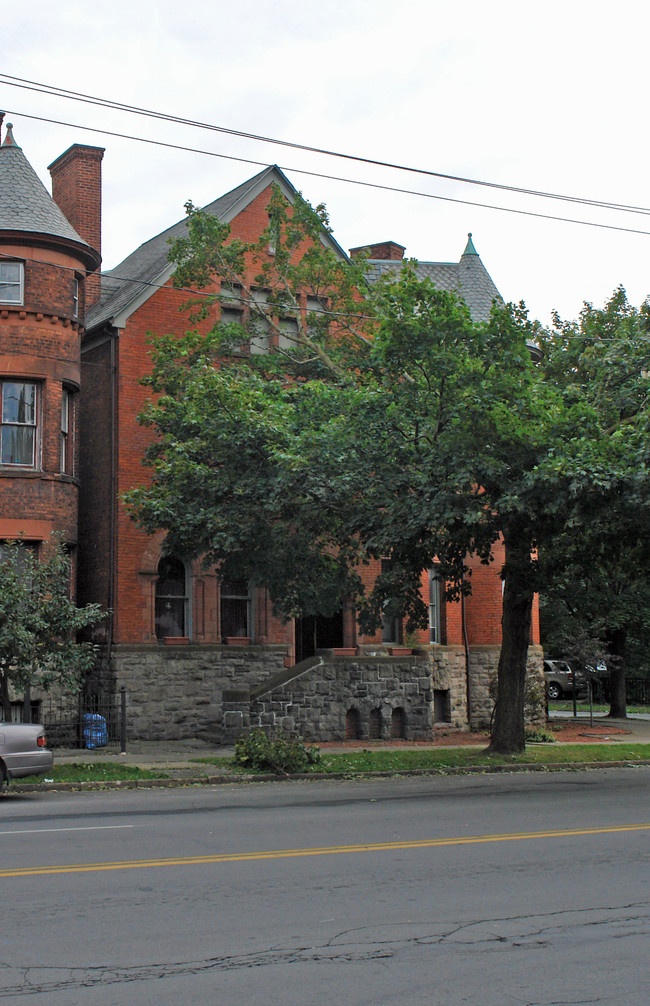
<point x="177" y="691"/>
<point x="217" y="692"/>
<point x="315" y="704"/>
<point x="484" y="662"/>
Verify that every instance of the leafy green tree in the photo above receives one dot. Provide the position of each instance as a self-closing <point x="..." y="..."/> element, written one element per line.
<point x="393" y="427"/>
<point x="39" y="622"/>
<point x="597" y="571"/>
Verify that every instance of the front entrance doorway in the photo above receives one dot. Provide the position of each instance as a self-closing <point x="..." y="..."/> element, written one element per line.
<point x="318" y="632"/>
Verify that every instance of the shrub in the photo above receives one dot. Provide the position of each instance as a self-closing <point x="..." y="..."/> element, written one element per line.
<point x="280" y="753"/>
<point x="540" y="736"/>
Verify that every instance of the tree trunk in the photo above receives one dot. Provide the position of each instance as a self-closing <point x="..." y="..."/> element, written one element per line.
<point x="5" y="703"/>
<point x="508" y="733"/>
<point x="617" y="643"/>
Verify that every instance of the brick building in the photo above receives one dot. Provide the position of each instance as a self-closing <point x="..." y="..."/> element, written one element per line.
<point x="199" y="655"/>
<point x="45" y="270"/>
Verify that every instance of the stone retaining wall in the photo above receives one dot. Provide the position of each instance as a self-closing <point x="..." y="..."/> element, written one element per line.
<point x="315" y="704"/>
<point x="217" y="692"/>
<point x="484" y="662"/>
<point x="177" y="691"/>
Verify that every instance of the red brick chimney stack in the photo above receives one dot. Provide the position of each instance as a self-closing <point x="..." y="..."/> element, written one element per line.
<point x="387" y="250"/>
<point x="77" y="191"/>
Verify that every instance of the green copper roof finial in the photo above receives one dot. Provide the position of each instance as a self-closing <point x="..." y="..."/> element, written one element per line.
<point x="469" y="248"/>
<point x="9" y="136"/>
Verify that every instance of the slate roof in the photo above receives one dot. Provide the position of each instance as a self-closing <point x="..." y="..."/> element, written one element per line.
<point x="148" y="267"/>
<point x="469" y="278"/>
<point x="25" y="203"/>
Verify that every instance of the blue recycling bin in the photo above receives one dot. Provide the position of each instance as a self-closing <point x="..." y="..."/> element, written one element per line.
<point x="95" y="732"/>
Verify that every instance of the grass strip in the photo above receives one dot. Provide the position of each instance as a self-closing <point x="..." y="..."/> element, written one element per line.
<point x="109" y="771"/>
<point x="362" y="761"/>
<point x="442" y="758"/>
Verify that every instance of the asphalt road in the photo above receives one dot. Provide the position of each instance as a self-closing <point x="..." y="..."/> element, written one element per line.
<point x="524" y="889"/>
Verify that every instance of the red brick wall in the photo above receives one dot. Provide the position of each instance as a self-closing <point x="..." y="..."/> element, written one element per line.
<point x="137" y="554"/>
<point x="40" y="342"/>
<point x="77" y="191"/>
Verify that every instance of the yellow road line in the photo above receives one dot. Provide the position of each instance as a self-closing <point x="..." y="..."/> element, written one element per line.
<point x="234" y="857"/>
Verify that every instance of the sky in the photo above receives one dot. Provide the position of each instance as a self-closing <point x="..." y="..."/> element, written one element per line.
<point x="551" y="98"/>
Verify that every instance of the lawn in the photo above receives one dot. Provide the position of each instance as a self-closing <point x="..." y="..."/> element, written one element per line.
<point x="364" y="761"/>
<point x="361" y="761"/>
<point x="110" y="771"/>
<point x="566" y="706"/>
<point x="441" y="759"/>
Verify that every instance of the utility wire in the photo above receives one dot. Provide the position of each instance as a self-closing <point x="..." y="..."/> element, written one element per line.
<point x="348" y="181"/>
<point x="61" y="92"/>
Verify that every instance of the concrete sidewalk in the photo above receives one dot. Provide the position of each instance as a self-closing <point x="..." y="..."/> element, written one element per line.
<point x="182" y="758"/>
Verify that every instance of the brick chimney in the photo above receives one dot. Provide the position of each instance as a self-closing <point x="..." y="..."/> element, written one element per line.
<point x="77" y="191"/>
<point x="386" y="250"/>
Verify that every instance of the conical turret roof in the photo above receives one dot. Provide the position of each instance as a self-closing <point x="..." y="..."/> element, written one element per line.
<point x="27" y="207"/>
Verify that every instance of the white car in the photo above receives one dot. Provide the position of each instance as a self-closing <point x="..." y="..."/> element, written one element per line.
<point x="23" y="751"/>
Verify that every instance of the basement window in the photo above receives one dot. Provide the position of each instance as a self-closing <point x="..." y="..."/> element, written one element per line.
<point x="441" y="705"/>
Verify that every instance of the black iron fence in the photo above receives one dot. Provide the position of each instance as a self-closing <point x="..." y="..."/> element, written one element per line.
<point x="90" y="721"/>
<point x="637" y="691"/>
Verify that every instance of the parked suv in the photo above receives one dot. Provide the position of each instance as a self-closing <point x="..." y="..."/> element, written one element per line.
<point x="560" y="679"/>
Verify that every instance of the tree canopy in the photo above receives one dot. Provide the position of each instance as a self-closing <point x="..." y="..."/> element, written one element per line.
<point x="388" y="424"/>
<point x="596" y="575"/>
<point x="39" y="622"/>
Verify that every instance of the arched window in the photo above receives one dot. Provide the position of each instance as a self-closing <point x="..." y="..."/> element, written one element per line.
<point x="171" y="598"/>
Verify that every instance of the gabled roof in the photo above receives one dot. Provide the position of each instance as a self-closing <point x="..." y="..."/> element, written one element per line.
<point x="469" y="278"/>
<point x="26" y="207"/>
<point x="130" y="284"/>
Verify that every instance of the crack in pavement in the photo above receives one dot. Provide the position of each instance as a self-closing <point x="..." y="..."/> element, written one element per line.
<point x="359" y="945"/>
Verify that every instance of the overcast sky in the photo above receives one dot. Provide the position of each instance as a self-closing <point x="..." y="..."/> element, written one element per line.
<point x="550" y="97"/>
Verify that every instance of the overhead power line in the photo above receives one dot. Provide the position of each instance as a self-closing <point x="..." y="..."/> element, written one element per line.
<point x="79" y="96"/>
<point x="338" y="178"/>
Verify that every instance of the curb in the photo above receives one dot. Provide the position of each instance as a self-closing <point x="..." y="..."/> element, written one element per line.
<point x="222" y="780"/>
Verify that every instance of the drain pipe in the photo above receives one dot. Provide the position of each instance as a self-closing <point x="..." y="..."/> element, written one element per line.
<point x="468" y="683"/>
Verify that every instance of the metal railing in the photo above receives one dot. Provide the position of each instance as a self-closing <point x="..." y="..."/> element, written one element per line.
<point x="97" y="720"/>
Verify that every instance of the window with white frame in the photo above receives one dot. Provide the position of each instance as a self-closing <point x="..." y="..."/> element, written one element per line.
<point x="317" y="315"/>
<point x="232" y="313"/>
<point x="435" y="619"/>
<point x="12" y="277"/>
<point x="259" y="324"/>
<point x="75" y="297"/>
<point x="288" y="338"/>
<point x="19" y="423"/>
